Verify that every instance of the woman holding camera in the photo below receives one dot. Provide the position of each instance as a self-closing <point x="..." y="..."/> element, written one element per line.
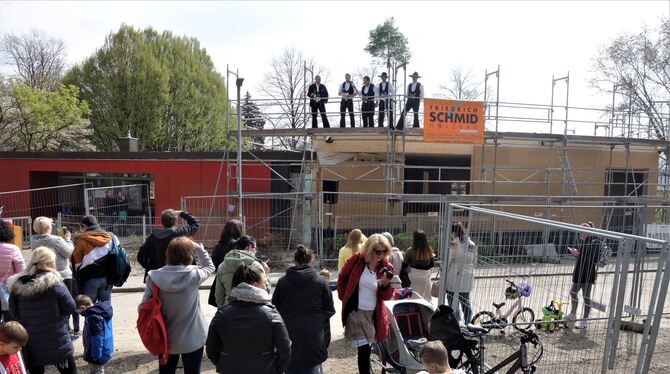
<point x="363" y="284"/>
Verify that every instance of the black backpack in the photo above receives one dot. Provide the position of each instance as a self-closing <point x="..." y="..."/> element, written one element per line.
<point x="118" y="265"/>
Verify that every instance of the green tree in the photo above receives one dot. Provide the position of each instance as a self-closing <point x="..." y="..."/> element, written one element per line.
<point x="252" y="118"/>
<point x="161" y="88"/>
<point x="387" y="45"/>
<point x="35" y="119"/>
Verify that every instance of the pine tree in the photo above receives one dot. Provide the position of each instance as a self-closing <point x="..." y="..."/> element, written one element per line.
<point x="252" y="118"/>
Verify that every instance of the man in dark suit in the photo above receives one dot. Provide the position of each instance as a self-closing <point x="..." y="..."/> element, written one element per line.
<point x="318" y="98"/>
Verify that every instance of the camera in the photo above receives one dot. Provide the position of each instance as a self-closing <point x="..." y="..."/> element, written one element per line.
<point x="387" y="273"/>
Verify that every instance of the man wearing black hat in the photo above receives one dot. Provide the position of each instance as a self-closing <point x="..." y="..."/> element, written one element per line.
<point x="318" y="98"/>
<point x="414" y="96"/>
<point x="347" y="91"/>
<point x="368" y="102"/>
<point x="386" y="93"/>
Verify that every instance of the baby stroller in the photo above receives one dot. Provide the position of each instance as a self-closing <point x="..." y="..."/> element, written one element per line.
<point x="445" y="328"/>
<point x="408" y="332"/>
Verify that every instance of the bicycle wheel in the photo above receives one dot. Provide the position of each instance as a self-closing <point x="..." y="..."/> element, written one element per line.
<point x="484" y="318"/>
<point x="523" y="319"/>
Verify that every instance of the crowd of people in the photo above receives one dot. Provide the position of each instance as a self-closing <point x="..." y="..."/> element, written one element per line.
<point x="255" y="329"/>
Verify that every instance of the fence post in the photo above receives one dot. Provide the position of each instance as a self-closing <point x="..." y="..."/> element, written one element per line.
<point x="59" y="220"/>
<point x="445" y="249"/>
<point x="616" y="303"/>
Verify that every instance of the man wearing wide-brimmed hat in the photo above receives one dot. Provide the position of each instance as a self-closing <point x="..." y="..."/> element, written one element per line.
<point x="414" y="96"/>
<point x="386" y="93"/>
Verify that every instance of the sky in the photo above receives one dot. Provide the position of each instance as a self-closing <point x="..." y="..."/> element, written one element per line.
<point x="530" y="41"/>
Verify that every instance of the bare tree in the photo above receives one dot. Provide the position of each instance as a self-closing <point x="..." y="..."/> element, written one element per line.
<point x="39" y="60"/>
<point x="285" y="86"/>
<point x="462" y="85"/>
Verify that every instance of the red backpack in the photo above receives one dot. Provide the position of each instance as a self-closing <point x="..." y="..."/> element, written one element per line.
<point x="151" y="327"/>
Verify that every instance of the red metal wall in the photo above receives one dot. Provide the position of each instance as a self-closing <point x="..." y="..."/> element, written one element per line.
<point x="173" y="179"/>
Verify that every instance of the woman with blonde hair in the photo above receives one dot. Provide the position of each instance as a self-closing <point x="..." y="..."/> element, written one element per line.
<point x="363" y="284"/>
<point x="41" y="303"/>
<point x="355" y="240"/>
<point x="419" y="260"/>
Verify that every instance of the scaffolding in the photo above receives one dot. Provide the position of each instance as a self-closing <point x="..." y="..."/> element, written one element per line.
<point x="508" y="124"/>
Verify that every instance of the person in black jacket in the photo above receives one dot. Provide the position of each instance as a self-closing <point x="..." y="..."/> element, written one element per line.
<point x="42" y="303"/>
<point x="305" y="302"/>
<point x="152" y="253"/>
<point x="232" y="231"/>
<point x="318" y="98"/>
<point x="248" y="335"/>
<point x="584" y="273"/>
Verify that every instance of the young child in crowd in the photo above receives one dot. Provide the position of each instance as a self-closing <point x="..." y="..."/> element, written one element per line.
<point x="98" y="334"/>
<point x="13" y="336"/>
<point x="435" y="359"/>
<point x="325" y="273"/>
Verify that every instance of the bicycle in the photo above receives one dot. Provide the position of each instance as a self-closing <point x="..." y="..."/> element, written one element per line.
<point x="475" y="364"/>
<point x="523" y="319"/>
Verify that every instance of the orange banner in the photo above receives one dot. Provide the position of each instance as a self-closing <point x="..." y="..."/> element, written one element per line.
<point x="453" y="121"/>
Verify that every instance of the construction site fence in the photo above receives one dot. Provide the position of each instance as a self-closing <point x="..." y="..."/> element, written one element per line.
<point x="627" y="329"/>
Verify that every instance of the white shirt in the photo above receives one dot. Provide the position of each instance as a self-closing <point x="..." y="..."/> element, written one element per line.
<point x="391" y="88"/>
<point x="367" y="290"/>
<point x="413" y="88"/>
<point x="317" y="88"/>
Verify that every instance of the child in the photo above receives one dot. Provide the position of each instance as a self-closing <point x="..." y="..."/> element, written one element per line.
<point x="13" y="336"/>
<point x="98" y="334"/>
<point x="325" y="273"/>
<point x="435" y="359"/>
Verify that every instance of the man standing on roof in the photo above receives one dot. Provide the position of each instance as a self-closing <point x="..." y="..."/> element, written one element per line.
<point x="318" y="98"/>
<point x="368" y="102"/>
<point x="152" y="253"/>
<point x="347" y="91"/>
<point x="386" y="93"/>
<point x="414" y="97"/>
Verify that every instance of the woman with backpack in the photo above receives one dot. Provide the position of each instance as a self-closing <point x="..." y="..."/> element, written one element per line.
<point x="42" y="303"/>
<point x="248" y="334"/>
<point x="178" y="285"/>
<point x="584" y="274"/>
<point x="305" y="302"/>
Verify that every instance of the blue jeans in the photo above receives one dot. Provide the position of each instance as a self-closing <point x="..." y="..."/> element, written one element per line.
<point x="315" y="370"/>
<point x="192" y="362"/>
<point x="97" y="289"/>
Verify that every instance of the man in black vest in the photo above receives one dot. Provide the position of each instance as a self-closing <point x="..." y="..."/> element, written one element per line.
<point x="414" y="96"/>
<point x="347" y="91"/>
<point x="368" y="102"/>
<point x="386" y="93"/>
<point x="318" y="98"/>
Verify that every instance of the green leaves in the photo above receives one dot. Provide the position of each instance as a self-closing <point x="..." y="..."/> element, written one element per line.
<point x="387" y="44"/>
<point x="41" y="120"/>
<point x="161" y="88"/>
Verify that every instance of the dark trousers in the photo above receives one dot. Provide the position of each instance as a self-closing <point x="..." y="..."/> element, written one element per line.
<point x="71" y="285"/>
<point x="192" y="362"/>
<point x="321" y="107"/>
<point x="412" y="104"/>
<point x="347" y="105"/>
<point x="368" y="109"/>
<point x="68" y="366"/>
<point x="382" y="112"/>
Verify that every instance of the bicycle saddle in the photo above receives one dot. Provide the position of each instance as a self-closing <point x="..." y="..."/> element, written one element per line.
<point x="498" y="306"/>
